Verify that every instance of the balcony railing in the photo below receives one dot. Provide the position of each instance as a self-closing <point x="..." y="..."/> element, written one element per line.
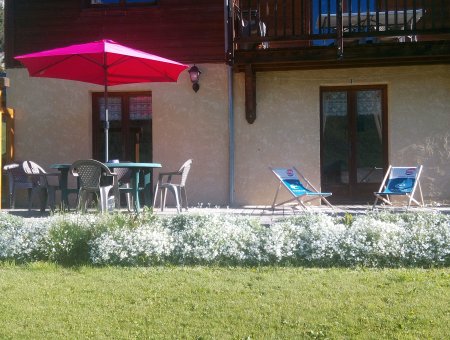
<point x="274" y="24"/>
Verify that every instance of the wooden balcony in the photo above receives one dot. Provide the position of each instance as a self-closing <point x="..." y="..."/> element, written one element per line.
<point x="310" y="34"/>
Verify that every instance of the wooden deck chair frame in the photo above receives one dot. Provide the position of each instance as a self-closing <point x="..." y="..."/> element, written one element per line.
<point x="309" y="192"/>
<point x="383" y="195"/>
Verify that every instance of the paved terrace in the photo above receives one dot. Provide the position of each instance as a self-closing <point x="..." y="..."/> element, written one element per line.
<point x="265" y="213"/>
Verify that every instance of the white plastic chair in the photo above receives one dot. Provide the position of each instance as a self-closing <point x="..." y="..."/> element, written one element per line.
<point x="96" y="178"/>
<point x="400" y="181"/>
<point x="178" y="189"/>
<point x="301" y="191"/>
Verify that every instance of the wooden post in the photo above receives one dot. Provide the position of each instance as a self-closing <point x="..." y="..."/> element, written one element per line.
<point x="250" y="94"/>
<point x="1" y="140"/>
<point x="4" y="82"/>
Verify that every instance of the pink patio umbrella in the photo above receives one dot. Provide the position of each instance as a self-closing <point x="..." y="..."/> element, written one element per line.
<point x="102" y="62"/>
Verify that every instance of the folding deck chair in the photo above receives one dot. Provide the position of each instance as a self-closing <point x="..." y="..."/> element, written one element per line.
<point x="400" y="181"/>
<point x="290" y="179"/>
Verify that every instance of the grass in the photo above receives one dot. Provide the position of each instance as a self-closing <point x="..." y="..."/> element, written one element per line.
<point x="46" y="301"/>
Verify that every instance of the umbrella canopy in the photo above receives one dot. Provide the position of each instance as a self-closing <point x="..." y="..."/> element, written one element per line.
<point x="102" y="62"/>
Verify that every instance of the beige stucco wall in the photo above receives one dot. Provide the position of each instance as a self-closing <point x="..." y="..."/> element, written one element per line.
<point x="53" y="125"/>
<point x="286" y="130"/>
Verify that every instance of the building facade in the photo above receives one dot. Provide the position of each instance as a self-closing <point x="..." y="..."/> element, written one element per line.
<point x="339" y="91"/>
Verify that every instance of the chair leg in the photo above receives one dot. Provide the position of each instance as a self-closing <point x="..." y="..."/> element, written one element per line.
<point x="42" y="195"/>
<point x="43" y="198"/>
<point x="116" y="197"/>
<point x="51" y="198"/>
<point x="163" y="198"/>
<point x="275" y="198"/>
<point x="129" y="198"/>
<point x="12" y="199"/>
<point x="30" y="198"/>
<point x="174" y="190"/>
<point x="156" y="194"/>
<point x="82" y="201"/>
<point x="130" y="201"/>
<point x="375" y="203"/>
<point x="104" y="192"/>
<point x="421" y="195"/>
<point x="300" y="202"/>
<point x="183" y="198"/>
<point x="327" y="202"/>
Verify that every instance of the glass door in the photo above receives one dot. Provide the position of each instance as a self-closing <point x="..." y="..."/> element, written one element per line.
<point x="353" y="141"/>
<point x="130" y="129"/>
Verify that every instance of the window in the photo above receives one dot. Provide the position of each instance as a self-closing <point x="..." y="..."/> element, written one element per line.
<point x="121" y="2"/>
<point x="130" y="131"/>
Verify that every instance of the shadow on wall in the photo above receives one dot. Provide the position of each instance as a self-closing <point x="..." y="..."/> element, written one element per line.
<point x="434" y="155"/>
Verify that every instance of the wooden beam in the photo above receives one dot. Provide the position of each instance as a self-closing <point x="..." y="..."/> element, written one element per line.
<point x="368" y="55"/>
<point x="250" y="94"/>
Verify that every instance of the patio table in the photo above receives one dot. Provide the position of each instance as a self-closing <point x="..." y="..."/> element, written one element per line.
<point x="64" y="184"/>
<point x="138" y="169"/>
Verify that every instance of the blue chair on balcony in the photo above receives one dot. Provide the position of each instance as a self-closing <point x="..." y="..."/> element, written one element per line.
<point x="301" y="190"/>
<point x="400" y="181"/>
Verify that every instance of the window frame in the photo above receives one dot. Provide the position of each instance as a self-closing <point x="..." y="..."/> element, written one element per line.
<point x="121" y="4"/>
<point x="97" y="125"/>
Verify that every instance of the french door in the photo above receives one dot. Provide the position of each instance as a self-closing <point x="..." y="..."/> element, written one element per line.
<point x="354" y="146"/>
<point x="130" y="129"/>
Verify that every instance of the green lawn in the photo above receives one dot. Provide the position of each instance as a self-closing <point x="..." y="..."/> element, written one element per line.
<point x="42" y="301"/>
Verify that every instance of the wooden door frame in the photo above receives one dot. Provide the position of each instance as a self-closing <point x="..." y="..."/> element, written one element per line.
<point x="352" y="116"/>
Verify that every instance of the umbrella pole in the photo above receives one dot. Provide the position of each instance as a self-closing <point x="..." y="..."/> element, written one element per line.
<point x="105" y="95"/>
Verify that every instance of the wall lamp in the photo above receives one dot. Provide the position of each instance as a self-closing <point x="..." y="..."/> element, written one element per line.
<point x="194" y="73"/>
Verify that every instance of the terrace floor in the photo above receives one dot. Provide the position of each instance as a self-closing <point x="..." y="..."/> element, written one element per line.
<point x="265" y="213"/>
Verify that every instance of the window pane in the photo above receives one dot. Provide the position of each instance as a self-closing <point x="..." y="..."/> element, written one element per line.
<point x="335" y="137"/>
<point x="114" y="106"/>
<point x="141" y="108"/>
<point x="369" y="147"/>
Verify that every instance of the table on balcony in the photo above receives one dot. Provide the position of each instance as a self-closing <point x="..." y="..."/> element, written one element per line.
<point x="140" y="171"/>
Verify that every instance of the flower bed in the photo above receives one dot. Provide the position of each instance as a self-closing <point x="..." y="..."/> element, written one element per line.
<point x="371" y="240"/>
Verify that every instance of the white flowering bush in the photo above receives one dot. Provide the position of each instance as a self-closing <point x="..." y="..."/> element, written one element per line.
<point x="147" y="245"/>
<point x="22" y="240"/>
<point x="223" y="239"/>
<point x="425" y="239"/>
<point x="307" y="239"/>
<point x="371" y="242"/>
<point x="375" y="239"/>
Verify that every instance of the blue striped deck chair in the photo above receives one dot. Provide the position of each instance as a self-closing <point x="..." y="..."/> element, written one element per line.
<point x="400" y="181"/>
<point x="298" y="186"/>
